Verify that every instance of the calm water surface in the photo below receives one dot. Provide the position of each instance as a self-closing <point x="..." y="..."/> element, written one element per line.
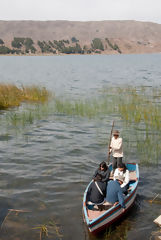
<point x="46" y="168"/>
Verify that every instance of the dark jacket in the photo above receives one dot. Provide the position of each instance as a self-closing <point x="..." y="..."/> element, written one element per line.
<point x="114" y="193"/>
<point x="105" y="174"/>
<point x="93" y="193"/>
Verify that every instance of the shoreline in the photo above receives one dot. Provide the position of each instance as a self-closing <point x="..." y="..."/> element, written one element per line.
<point x="72" y="54"/>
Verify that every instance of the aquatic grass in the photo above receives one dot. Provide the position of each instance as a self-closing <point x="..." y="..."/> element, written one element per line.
<point x="12" y="96"/>
<point x="46" y="229"/>
<point x="35" y="94"/>
<point x="118" y="232"/>
<point x="27" y="115"/>
<point x="43" y="231"/>
<point x="141" y="109"/>
<point x="138" y="109"/>
<point x="89" y="108"/>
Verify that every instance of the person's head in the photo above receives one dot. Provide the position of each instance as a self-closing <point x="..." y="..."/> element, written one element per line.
<point x="120" y="179"/>
<point x="116" y="134"/>
<point x="98" y="178"/>
<point x="103" y="166"/>
<point x="122" y="167"/>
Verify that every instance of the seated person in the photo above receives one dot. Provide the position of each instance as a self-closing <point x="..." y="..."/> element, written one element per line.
<point x="124" y="172"/>
<point x="104" y="171"/>
<point x="114" y="194"/>
<point x="97" y="191"/>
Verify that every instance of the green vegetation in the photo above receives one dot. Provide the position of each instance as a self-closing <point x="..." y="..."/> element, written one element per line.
<point x="139" y="109"/>
<point x="51" y="47"/>
<point x="97" y="44"/>
<point x="28" y="43"/>
<point x="1" y="41"/>
<point x="114" y="47"/>
<point x="51" y="228"/>
<point x="75" y="49"/>
<point x="23" y="43"/>
<point x="99" y="52"/>
<point x="4" y="50"/>
<point x="66" y="41"/>
<point x="119" y="232"/>
<point x="74" y="40"/>
<point x="45" y="47"/>
<point x="17" y="42"/>
<point x="59" y="45"/>
<point x="11" y="96"/>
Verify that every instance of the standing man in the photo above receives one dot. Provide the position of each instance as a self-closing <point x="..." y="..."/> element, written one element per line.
<point x="116" y="149"/>
<point x="114" y="193"/>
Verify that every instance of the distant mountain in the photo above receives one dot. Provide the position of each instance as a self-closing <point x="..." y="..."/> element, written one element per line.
<point x="106" y="37"/>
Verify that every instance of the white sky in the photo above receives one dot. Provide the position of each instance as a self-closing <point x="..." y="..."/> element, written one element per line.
<point x="81" y="10"/>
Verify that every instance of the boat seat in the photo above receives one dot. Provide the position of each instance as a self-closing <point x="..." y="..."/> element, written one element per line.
<point x="95" y="212"/>
<point x="132" y="176"/>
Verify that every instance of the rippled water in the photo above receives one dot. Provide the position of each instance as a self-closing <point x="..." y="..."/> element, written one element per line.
<point x="46" y="168"/>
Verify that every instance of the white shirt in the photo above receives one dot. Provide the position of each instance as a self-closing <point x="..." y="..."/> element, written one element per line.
<point x="125" y="175"/>
<point x="116" y="145"/>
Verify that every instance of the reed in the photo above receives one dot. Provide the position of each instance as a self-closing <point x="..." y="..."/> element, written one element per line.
<point x="12" y="96"/>
<point x="136" y="107"/>
<point x="35" y="94"/>
<point x="47" y="229"/>
<point x="139" y="109"/>
<point x="118" y="232"/>
<point x="89" y="108"/>
<point x="27" y="115"/>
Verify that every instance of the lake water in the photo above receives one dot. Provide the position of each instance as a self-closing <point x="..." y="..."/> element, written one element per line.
<point x="45" y="169"/>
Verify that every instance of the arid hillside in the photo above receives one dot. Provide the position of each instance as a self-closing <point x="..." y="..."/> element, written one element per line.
<point x="109" y="36"/>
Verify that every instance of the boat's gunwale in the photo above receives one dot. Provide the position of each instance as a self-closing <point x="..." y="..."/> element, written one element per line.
<point x="113" y="209"/>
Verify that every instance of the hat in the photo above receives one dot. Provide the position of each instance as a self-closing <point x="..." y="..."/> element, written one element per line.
<point x="120" y="178"/>
<point x="116" y="132"/>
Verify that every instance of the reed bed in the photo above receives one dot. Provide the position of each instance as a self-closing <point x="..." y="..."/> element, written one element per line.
<point x="134" y="106"/>
<point x="26" y="116"/>
<point x="89" y="108"/>
<point x="139" y="108"/>
<point x="12" y="96"/>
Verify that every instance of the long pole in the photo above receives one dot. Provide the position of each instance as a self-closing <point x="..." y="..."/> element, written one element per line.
<point x="108" y="159"/>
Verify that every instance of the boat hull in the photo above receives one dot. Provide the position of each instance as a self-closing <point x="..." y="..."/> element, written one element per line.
<point x="113" y="214"/>
<point x="108" y="220"/>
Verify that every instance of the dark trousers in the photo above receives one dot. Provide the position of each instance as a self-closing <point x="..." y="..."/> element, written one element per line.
<point x="124" y="189"/>
<point x="115" y="162"/>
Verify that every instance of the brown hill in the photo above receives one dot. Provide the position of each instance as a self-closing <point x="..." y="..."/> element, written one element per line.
<point x="130" y="36"/>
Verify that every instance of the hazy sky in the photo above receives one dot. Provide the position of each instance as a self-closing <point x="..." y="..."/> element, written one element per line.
<point x="84" y="10"/>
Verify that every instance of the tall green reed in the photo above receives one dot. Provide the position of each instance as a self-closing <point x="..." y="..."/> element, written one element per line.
<point x="139" y="109"/>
